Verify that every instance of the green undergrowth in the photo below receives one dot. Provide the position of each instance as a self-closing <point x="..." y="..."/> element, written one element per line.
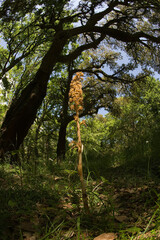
<point x="47" y="204"/>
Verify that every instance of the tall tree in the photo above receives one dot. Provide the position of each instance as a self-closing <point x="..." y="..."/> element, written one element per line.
<point x="130" y="25"/>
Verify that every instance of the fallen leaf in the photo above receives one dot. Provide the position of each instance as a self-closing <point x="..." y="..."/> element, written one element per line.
<point x="69" y="234"/>
<point x="28" y="236"/>
<point x="121" y="219"/>
<point x="106" y="236"/>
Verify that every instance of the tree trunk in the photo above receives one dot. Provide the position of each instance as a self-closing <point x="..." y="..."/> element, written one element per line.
<point x="22" y="113"/>
<point x="65" y="119"/>
<point x="61" y="145"/>
<point x="23" y="110"/>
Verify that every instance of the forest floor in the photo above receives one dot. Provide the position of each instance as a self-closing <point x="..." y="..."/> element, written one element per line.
<point x="46" y="207"/>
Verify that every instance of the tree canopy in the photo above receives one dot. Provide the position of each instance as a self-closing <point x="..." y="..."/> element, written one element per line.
<point x="57" y="33"/>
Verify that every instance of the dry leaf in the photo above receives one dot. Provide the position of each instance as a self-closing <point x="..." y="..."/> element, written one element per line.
<point x="121" y="219"/>
<point x="106" y="236"/>
<point x="28" y="236"/>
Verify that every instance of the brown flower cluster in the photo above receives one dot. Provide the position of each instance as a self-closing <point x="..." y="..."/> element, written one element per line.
<point x="75" y="93"/>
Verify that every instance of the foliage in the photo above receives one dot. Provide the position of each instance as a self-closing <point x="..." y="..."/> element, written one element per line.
<point x="128" y="134"/>
<point x="46" y="42"/>
<point x="139" y="115"/>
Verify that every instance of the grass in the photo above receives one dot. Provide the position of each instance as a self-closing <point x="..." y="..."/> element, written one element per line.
<point x="48" y="206"/>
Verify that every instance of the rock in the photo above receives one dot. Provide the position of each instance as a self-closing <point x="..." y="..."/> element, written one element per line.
<point x="106" y="236"/>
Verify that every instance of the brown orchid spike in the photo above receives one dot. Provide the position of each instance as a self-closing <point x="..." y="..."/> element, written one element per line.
<point x="76" y="104"/>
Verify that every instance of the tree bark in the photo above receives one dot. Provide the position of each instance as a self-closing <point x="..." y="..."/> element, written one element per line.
<point x="61" y="145"/>
<point x="65" y="119"/>
<point x="23" y="110"/>
<point x="22" y="113"/>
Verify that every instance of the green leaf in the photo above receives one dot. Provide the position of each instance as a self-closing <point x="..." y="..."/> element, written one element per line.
<point x="133" y="229"/>
<point x="12" y="203"/>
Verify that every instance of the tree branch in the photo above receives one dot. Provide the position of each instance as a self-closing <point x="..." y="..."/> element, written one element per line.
<point x="111" y="78"/>
<point x="70" y="57"/>
<point x="125" y="36"/>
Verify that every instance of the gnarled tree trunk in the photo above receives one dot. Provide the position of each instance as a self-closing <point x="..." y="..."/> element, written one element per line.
<point x="23" y="110"/>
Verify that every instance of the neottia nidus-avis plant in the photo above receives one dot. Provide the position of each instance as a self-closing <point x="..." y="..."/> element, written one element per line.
<point x="76" y="104"/>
